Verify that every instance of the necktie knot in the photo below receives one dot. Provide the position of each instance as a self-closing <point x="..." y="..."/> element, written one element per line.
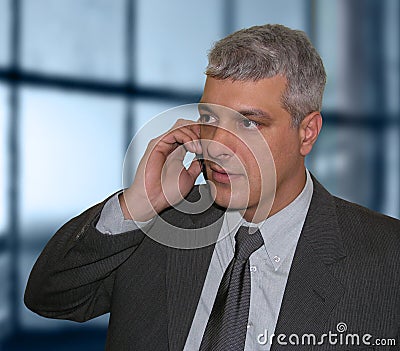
<point x="247" y="243"/>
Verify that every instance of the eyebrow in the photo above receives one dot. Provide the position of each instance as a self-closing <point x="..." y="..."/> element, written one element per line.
<point x="251" y="112"/>
<point x="258" y="113"/>
<point x="202" y="107"/>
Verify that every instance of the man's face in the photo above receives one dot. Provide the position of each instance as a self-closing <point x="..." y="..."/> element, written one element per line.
<point x="237" y="159"/>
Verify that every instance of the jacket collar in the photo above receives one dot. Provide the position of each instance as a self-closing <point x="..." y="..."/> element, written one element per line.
<point x="311" y="290"/>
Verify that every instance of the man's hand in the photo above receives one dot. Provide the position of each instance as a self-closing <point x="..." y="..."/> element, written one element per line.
<point x="161" y="180"/>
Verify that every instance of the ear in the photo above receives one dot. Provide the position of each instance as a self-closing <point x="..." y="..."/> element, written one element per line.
<point x="309" y="130"/>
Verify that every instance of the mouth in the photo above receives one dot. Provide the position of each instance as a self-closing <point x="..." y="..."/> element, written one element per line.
<point x="221" y="175"/>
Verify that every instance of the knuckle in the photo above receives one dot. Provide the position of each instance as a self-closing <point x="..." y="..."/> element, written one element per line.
<point x="152" y="142"/>
<point x="181" y="122"/>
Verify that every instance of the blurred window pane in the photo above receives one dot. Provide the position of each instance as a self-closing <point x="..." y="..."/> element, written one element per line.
<point x="173" y="38"/>
<point x="143" y="111"/>
<point x="291" y="13"/>
<point x="4" y="32"/>
<point x="392" y="173"/>
<point x="392" y="57"/>
<point x="4" y="159"/>
<point x="327" y="44"/>
<point x="74" y="37"/>
<point x="5" y="312"/>
<point x="72" y="152"/>
<point x="343" y="161"/>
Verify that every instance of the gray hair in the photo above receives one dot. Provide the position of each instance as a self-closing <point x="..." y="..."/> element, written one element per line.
<point x="269" y="50"/>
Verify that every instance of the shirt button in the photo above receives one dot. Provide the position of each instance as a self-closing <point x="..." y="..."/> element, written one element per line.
<point x="248" y="326"/>
<point x="253" y="269"/>
<point x="277" y="259"/>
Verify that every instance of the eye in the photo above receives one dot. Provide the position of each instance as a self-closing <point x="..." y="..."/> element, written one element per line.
<point x="249" y="124"/>
<point x="205" y="118"/>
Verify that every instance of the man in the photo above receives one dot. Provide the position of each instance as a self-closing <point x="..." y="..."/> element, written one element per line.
<point x="323" y="273"/>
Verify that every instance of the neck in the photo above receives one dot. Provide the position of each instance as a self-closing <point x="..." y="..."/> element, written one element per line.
<point x="286" y="192"/>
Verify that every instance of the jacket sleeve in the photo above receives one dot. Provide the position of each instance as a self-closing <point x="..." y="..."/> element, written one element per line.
<point x="74" y="275"/>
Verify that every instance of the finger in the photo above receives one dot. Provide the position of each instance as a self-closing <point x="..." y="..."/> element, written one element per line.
<point x="185" y="137"/>
<point x="192" y="125"/>
<point x="191" y="130"/>
<point x="194" y="169"/>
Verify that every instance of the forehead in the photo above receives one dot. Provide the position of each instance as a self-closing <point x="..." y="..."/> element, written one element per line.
<point x="238" y="95"/>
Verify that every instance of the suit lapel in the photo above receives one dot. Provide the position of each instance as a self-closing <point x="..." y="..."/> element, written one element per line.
<point x="311" y="290"/>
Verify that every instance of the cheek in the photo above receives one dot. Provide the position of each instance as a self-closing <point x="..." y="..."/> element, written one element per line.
<point x="254" y="173"/>
<point x="284" y="145"/>
<point x="257" y="164"/>
<point x="253" y="168"/>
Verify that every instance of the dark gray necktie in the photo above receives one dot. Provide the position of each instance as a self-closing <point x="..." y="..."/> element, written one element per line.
<point x="227" y="326"/>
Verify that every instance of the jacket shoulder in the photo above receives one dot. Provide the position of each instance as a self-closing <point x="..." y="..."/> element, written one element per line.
<point x="364" y="228"/>
<point x="361" y="214"/>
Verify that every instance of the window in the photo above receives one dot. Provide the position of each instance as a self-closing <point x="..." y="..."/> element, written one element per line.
<point x="71" y="155"/>
<point x="87" y="74"/>
<point x="4" y="32"/>
<point x="172" y="40"/>
<point x="4" y="159"/>
<point x="75" y="38"/>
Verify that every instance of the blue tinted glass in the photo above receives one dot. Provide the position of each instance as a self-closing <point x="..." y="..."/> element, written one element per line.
<point x="392" y="174"/>
<point x="343" y="160"/>
<point x="4" y="32"/>
<point x="4" y="158"/>
<point x="144" y="111"/>
<point x="363" y="79"/>
<point x="4" y="294"/>
<point x="392" y="57"/>
<point x="291" y="13"/>
<point x="172" y="41"/>
<point x="74" y="37"/>
<point x="328" y="46"/>
<point x="72" y="152"/>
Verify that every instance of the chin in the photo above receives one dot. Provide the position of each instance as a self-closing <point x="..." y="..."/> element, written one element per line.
<point x="225" y="199"/>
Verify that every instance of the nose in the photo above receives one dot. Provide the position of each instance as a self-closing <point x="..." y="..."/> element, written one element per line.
<point x="220" y="144"/>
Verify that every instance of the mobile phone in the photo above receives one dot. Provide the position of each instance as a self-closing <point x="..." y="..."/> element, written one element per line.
<point x="203" y="165"/>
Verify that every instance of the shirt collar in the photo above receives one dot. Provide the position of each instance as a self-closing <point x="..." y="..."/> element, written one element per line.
<point x="280" y="231"/>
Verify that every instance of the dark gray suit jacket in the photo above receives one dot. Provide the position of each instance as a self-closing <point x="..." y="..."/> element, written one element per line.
<point x="345" y="270"/>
